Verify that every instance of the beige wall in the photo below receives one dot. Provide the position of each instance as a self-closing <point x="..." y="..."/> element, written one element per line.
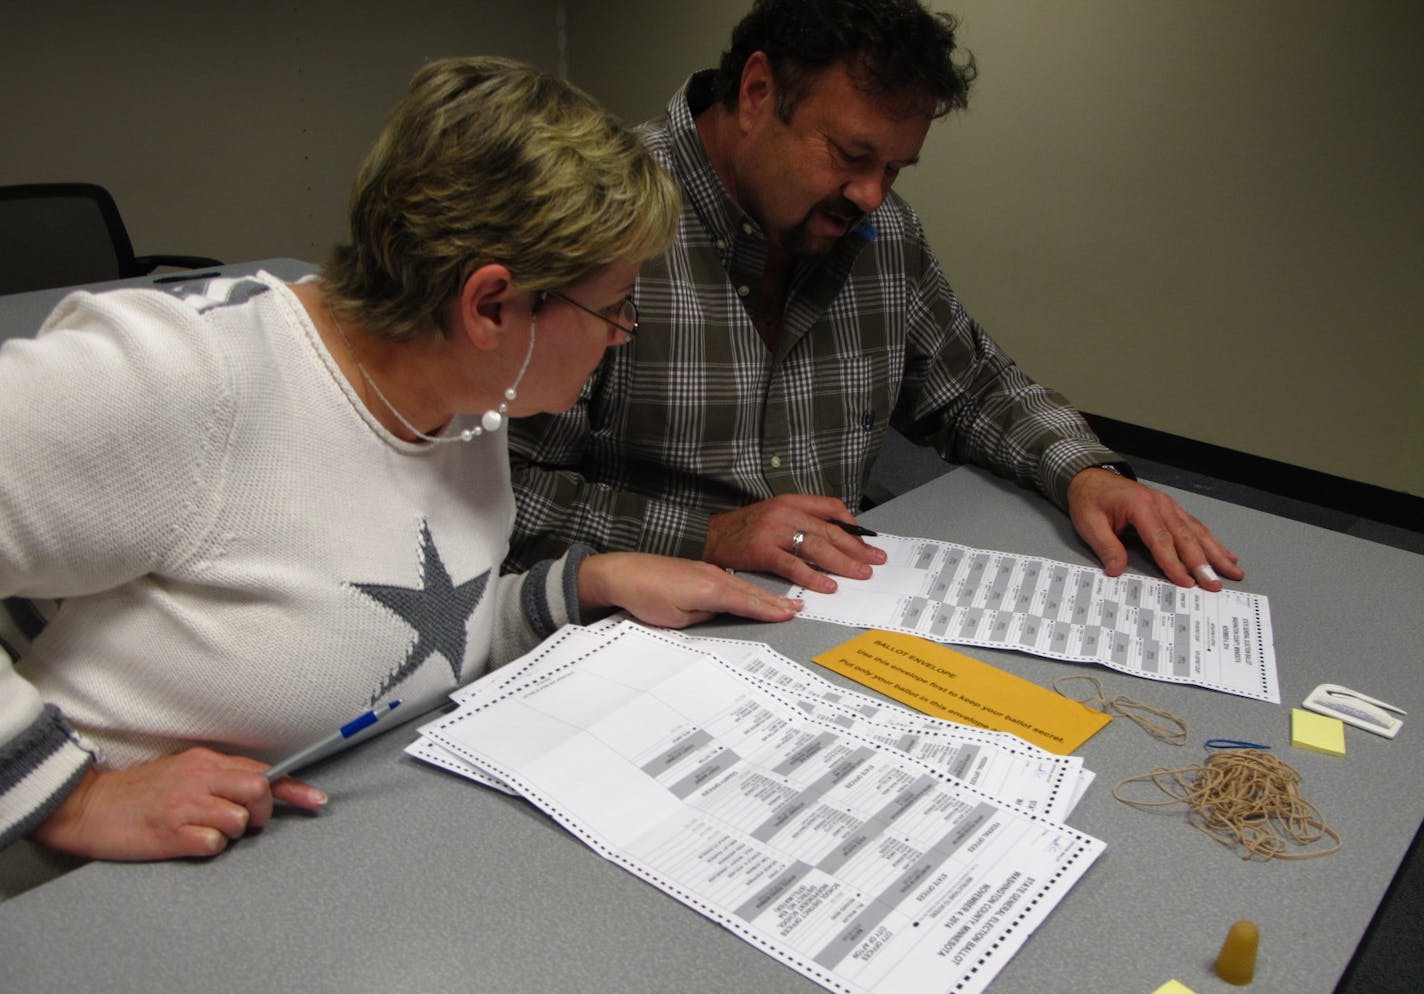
<point x="231" y="130"/>
<point x="1205" y="218"/>
<point x="1200" y="217"/>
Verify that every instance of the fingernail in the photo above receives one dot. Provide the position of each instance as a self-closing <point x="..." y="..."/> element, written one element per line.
<point x="318" y="796"/>
<point x="1205" y="572"/>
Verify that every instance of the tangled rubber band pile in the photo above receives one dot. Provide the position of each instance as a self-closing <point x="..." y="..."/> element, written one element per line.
<point x="1247" y="800"/>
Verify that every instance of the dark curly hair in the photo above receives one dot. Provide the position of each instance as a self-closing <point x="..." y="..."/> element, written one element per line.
<point x="893" y="48"/>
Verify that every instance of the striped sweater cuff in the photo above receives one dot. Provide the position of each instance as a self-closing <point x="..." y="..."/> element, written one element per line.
<point x="550" y="592"/>
<point x="38" y="770"/>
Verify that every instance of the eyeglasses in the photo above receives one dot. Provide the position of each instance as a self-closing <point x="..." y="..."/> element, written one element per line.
<point x="623" y="315"/>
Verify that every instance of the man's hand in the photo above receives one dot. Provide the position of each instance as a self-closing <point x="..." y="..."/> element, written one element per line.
<point x="1103" y="505"/>
<point x="761" y="537"/>
<point x="189" y="804"/>
<point x="674" y="593"/>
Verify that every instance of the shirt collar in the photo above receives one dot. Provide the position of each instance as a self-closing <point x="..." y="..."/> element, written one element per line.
<point x="701" y="184"/>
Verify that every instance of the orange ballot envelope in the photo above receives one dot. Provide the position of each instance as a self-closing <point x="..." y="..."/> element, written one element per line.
<point x="938" y="681"/>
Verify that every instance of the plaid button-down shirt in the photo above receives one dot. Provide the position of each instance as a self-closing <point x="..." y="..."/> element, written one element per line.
<point x="697" y="415"/>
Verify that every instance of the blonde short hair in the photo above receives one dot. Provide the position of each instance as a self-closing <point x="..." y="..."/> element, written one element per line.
<point x="487" y="160"/>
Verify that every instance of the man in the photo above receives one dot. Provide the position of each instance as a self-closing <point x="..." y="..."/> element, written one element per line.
<point x="801" y="312"/>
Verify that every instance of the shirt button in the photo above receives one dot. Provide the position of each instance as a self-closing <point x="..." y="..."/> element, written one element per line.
<point x="742" y="291"/>
<point x="775" y="462"/>
<point x="747" y="228"/>
<point x="722" y="244"/>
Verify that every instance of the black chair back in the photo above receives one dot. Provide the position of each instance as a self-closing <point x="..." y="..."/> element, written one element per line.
<point x="64" y="234"/>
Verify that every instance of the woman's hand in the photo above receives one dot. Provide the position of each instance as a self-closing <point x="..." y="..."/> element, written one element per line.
<point x="674" y="593"/>
<point x="189" y="804"/>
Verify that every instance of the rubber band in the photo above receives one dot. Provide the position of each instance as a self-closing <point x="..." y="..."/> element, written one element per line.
<point x="1247" y="800"/>
<point x="1233" y="744"/>
<point x="1131" y="709"/>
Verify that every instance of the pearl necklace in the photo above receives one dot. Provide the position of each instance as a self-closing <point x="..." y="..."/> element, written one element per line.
<point x="491" y="421"/>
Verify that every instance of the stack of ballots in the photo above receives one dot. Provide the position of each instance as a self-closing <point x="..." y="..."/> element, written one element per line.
<point x="868" y="847"/>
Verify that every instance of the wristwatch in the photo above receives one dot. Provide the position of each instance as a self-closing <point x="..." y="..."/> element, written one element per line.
<point x="1117" y="469"/>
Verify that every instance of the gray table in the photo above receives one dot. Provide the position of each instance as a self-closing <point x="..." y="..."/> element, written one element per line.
<point x="417" y="880"/>
<point x="21" y="314"/>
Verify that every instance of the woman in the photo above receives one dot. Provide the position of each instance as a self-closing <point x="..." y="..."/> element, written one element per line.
<point x="268" y="507"/>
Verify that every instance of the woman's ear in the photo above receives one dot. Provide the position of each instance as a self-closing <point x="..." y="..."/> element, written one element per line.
<point x="483" y="310"/>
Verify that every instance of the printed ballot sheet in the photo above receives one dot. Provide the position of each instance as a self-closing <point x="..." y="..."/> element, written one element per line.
<point x="855" y="864"/>
<point x="1010" y="768"/>
<point x="1007" y="766"/>
<point x="1135" y="624"/>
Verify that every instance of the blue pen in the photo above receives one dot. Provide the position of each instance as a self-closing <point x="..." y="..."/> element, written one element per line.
<point x="318" y="749"/>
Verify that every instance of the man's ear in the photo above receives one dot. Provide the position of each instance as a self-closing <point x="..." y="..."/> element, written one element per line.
<point x="484" y="308"/>
<point x="757" y="93"/>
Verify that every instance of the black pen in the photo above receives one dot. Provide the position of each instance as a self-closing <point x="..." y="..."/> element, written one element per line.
<point x="853" y="528"/>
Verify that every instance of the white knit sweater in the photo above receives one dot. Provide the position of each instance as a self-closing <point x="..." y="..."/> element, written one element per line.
<point x="245" y="557"/>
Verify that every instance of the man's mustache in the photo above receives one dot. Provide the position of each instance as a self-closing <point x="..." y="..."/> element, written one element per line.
<point x="842" y="208"/>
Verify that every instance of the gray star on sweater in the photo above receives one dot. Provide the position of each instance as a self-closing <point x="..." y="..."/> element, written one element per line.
<point x="438" y="610"/>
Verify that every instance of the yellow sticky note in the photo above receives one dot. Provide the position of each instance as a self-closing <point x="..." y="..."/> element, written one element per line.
<point x="938" y="681"/>
<point x="1173" y="987"/>
<point x="1317" y="732"/>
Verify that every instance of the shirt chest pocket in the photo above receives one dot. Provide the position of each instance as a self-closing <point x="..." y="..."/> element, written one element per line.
<point x="834" y="408"/>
